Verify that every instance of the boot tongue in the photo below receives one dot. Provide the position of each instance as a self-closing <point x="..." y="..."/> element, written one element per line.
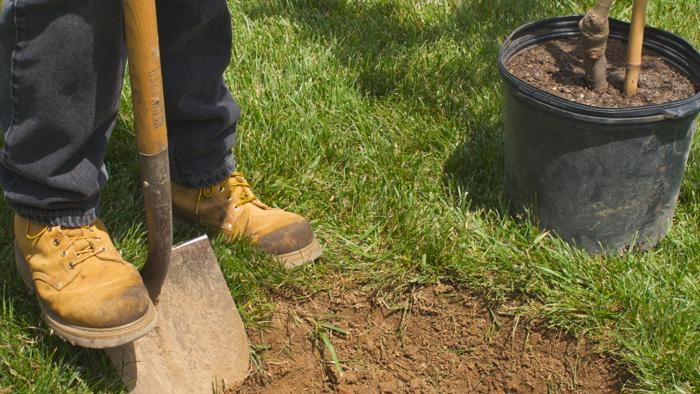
<point x="81" y="237"/>
<point x="245" y="192"/>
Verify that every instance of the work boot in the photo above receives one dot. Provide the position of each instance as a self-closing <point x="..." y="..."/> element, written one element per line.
<point x="232" y="208"/>
<point x="88" y="294"/>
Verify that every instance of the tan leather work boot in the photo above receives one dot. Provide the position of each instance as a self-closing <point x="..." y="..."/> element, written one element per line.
<point x="232" y="208"/>
<point x="88" y="294"/>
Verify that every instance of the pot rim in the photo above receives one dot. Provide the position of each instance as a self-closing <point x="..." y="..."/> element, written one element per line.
<point x="672" y="48"/>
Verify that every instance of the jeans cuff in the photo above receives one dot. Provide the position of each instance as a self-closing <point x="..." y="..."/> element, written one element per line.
<point x="193" y="181"/>
<point x="64" y="218"/>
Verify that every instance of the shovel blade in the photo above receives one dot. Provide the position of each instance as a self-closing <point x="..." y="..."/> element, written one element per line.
<point x="199" y="344"/>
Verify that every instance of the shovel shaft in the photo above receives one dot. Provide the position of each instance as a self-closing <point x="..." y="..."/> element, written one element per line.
<point x="151" y="136"/>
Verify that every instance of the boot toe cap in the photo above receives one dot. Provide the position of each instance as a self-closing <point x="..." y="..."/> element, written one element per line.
<point x="287" y="239"/>
<point x="115" y="307"/>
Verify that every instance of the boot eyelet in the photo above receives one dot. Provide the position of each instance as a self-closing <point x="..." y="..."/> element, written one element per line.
<point x="64" y="253"/>
<point x="70" y="265"/>
<point x="56" y="242"/>
<point x="220" y="189"/>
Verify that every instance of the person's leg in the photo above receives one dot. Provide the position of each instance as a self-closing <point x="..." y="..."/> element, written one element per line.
<point x="195" y="40"/>
<point x="61" y="68"/>
<point x="195" y="48"/>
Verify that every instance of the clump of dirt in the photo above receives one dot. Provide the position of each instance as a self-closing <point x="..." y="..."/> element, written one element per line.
<point x="439" y="340"/>
<point x="556" y="67"/>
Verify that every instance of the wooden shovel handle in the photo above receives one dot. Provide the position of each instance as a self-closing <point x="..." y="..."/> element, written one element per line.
<point x="146" y="80"/>
<point x="151" y="137"/>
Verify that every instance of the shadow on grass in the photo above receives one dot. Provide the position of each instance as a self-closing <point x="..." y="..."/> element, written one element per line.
<point x="475" y="170"/>
<point x="377" y="41"/>
<point x="381" y="41"/>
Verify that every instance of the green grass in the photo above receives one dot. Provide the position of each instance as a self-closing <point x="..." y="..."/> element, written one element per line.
<point x="381" y="121"/>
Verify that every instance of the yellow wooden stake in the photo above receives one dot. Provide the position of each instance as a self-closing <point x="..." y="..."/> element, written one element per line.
<point x="634" y="48"/>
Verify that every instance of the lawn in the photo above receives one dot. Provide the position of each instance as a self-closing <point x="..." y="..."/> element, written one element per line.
<point x="381" y="121"/>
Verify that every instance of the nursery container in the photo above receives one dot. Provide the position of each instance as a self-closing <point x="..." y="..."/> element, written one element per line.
<point x="600" y="178"/>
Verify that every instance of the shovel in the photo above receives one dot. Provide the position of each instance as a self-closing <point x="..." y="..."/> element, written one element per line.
<point x="199" y="344"/>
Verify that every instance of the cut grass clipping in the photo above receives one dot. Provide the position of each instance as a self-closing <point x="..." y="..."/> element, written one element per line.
<point x="321" y="334"/>
<point x="380" y="120"/>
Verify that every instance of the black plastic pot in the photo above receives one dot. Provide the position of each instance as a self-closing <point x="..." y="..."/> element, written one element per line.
<point x="600" y="178"/>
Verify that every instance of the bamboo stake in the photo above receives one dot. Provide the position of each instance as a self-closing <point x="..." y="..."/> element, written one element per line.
<point x="634" y="48"/>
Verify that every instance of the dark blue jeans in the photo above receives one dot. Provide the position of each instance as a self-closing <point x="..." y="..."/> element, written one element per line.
<point x="61" y="73"/>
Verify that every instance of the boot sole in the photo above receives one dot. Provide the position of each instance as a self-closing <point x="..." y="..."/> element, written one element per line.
<point x="302" y="256"/>
<point x="94" y="338"/>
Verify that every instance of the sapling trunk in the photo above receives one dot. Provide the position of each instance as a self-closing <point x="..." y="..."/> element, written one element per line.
<point x="595" y="29"/>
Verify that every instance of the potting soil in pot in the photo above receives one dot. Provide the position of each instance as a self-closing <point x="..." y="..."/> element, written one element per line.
<point x="556" y="67"/>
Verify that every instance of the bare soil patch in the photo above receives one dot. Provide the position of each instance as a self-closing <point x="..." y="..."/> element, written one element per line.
<point x="438" y="340"/>
<point x="556" y="67"/>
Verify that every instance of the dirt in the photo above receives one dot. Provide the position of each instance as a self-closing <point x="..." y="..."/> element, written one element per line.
<point x="438" y="340"/>
<point x="556" y="67"/>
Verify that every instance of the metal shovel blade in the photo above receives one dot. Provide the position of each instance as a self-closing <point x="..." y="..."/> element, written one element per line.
<point x="199" y="344"/>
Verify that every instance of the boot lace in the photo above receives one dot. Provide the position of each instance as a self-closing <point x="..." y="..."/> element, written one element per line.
<point x="233" y="182"/>
<point x="83" y="250"/>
